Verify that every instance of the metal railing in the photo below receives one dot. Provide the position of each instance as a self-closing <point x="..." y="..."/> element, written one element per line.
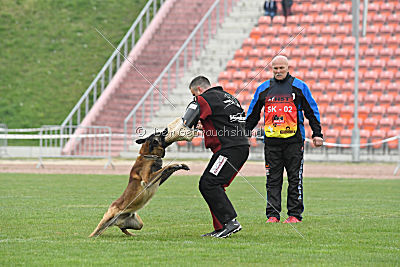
<point x="3" y="142"/>
<point x="90" y="142"/>
<point x="112" y="65"/>
<point x="188" y="53"/>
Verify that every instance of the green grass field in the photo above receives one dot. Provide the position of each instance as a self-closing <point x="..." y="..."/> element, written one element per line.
<point x="45" y="220"/>
<point x="50" y="52"/>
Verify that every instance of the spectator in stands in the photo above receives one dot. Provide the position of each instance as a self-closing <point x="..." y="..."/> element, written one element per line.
<point x="270" y="9"/>
<point x="223" y="121"/>
<point x="286" y="5"/>
<point x="284" y="99"/>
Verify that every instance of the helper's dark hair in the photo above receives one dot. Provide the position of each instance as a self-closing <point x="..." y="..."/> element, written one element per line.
<point x="201" y="81"/>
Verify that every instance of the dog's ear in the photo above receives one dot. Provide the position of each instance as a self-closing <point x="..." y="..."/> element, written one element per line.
<point x="141" y="141"/>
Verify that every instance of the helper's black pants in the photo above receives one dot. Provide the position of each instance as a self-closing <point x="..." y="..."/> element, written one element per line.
<point x="222" y="168"/>
<point x="290" y="157"/>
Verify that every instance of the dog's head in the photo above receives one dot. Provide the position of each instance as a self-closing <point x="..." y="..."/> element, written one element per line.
<point x="152" y="145"/>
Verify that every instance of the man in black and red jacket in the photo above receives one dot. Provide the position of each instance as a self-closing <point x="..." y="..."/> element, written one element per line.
<point x="284" y="99"/>
<point x="223" y="121"/>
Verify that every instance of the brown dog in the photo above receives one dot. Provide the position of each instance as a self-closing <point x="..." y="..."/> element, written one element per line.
<point x="146" y="176"/>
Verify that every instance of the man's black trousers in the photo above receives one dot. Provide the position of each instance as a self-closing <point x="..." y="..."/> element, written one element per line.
<point x="222" y="168"/>
<point x="290" y="157"/>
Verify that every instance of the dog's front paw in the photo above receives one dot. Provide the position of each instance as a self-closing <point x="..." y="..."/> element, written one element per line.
<point x="184" y="167"/>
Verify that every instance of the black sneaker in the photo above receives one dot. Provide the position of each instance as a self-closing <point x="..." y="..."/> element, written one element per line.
<point x="230" y="227"/>
<point x="212" y="233"/>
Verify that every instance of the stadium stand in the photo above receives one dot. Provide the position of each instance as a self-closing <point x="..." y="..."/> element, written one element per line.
<point x="323" y="54"/>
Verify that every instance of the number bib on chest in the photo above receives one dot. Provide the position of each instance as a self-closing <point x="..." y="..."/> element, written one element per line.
<point x="280" y="117"/>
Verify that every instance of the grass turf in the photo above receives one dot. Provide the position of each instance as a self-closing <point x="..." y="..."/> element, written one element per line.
<point x="50" y="53"/>
<point x="45" y="220"/>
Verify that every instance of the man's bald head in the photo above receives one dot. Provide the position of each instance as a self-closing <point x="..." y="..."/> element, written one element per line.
<point x="280" y="67"/>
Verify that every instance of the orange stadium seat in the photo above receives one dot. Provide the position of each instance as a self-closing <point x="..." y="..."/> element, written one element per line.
<point x="343" y="31"/>
<point x="378" y="111"/>
<point x="363" y="88"/>
<point x="311" y="76"/>
<point x="347" y="89"/>
<point x="335" y="19"/>
<point x="341" y="77"/>
<point x="332" y="112"/>
<point x="231" y="87"/>
<point x="393" y="42"/>
<point x="370" y="53"/>
<point x="238" y="77"/>
<point x="331" y="136"/>
<point x="393" y="89"/>
<point x="393" y="19"/>
<point x="373" y="8"/>
<point x="261" y="64"/>
<point x="394" y="144"/>
<point x="247" y="65"/>
<point x="278" y="42"/>
<point x="312" y="31"/>
<point x="269" y="32"/>
<point x="379" y="88"/>
<point x="279" y="21"/>
<point x="370" y="124"/>
<point x="386" y="53"/>
<point x="340" y="99"/>
<point x="224" y="77"/>
<point x="233" y="65"/>
<point x="379" y="42"/>
<point x="348" y="42"/>
<point x="350" y="123"/>
<point x="386" y="8"/>
<point x="346" y="112"/>
<point x="317" y="89"/>
<point x="341" y="53"/>
<point x="297" y="54"/>
<point x="320" y="42"/>
<point x="393" y="65"/>
<point x="329" y="8"/>
<point x="379" y="19"/>
<point x="324" y="100"/>
<point x="256" y="33"/>
<point x="363" y="65"/>
<point x="386" y="31"/>
<point x="240" y="54"/>
<point x="254" y="54"/>
<point x="385" y="100"/>
<point x="268" y="54"/>
<point x="364" y="136"/>
<point x="253" y="76"/>
<point x="305" y="42"/>
<point x="326" y="54"/>
<point x="325" y="77"/>
<point x="386" y="124"/>
<point x="334" y="42"/>
<point x="385" y="77"/>
<point x="197" y="141"/>
<point x="339" y="123"/>
<point x="306" y="20"/>
<point x="370" y="76"/>
<point x="319" y="65"/>
<point x="315" y="8"/>
<point x="332" y="89"/>
<point x="248" y="44"/>
<point x="363" y="112"/>
<point x="263" y="43"/>
<point x="326" y="122"/>
<point x="293" y="21"/>
<point x="343" y="9"/>
<point x="320" y="20"/>
<point x="264" y="22"/>
<point x="377" y="136"/>
<point x="345" y="137"/>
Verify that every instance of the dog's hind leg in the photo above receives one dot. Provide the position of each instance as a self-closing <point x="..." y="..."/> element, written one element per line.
<point x="107" y="221"/>
<point x="132" y="222"/>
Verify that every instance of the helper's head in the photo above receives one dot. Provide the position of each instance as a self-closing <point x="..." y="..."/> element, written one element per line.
<point x="199" y="85"/>
<point x="280" y="67"/>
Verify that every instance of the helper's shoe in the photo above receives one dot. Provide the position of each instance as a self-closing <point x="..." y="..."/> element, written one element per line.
<point x="292" y="219"/>
<point x="212" y="233"/>
<point x="230" y="227"/>
<point x="272" y="220"/>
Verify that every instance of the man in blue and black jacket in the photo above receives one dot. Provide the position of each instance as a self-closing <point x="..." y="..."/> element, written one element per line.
<point x="284" y="99"/>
